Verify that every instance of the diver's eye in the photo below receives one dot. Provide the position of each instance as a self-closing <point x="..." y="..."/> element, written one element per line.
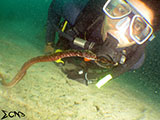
<point x="121" y="10"/>
<point x="139" y="24"/>
<point x="138" y="27"/>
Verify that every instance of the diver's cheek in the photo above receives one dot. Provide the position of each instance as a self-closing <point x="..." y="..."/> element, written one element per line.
<point x="103" y="32"/>
<point x="105" y="36"/>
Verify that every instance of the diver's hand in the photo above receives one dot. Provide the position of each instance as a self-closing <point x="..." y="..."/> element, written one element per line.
<point x="49" y="49"/>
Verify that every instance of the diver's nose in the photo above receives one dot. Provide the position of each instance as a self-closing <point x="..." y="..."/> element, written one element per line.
<point x="123" y="24"/>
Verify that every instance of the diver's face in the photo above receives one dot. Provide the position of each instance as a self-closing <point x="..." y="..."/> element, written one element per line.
<point x="109" y="27"/>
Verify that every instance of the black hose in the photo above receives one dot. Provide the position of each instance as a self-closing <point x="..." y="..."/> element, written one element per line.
<point x="87" y="45"/>
<point x="63" y="34"/>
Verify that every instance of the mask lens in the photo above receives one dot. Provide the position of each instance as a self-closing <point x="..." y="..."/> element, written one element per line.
<point x="140" y="29"/>
<point x="116" y="9"/>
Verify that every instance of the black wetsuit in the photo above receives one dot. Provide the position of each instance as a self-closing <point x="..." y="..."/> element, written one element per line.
<point x="81" y="16"/>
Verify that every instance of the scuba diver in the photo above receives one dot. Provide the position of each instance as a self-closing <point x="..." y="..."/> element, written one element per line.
<point x="117" y="31"/>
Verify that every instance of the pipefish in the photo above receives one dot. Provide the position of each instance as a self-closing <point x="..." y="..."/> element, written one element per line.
<point x="46" y="58"/>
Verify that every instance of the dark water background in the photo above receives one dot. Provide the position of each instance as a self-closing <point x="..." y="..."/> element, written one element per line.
<point x="26" y="11"/>
<point x="145" y="80"/>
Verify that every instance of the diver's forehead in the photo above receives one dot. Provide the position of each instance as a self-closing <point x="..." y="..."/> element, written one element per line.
<point x="143" y="9"/>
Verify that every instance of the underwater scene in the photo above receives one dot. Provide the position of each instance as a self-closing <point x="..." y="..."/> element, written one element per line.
<point x="46" y="93"/>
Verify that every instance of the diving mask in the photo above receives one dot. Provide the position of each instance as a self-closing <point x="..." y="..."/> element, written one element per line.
<point x="130" y="22"/>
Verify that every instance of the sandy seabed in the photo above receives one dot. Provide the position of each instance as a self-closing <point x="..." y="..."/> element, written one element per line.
<point x="45" y="93"/>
